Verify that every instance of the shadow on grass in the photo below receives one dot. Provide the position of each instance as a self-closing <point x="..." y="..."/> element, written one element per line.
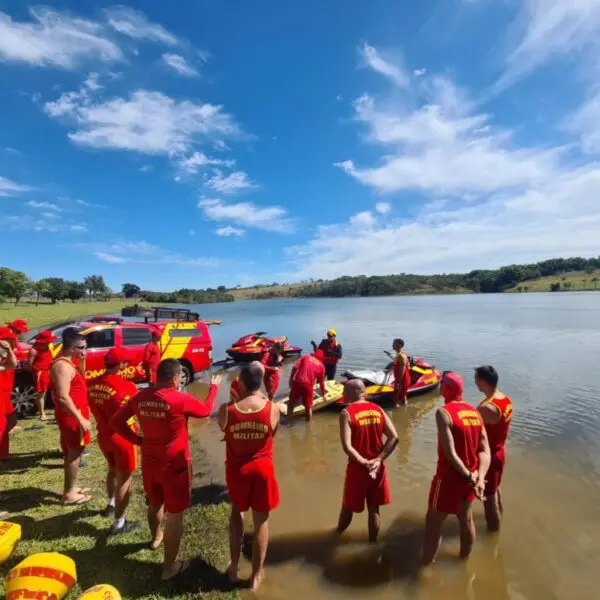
<point x="209" y="494"/>
<point x="62" y="526"/>
<point x="19" y="463"/>
<point x="28" y="498"/>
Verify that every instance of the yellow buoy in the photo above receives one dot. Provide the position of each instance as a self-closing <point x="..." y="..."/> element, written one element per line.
<point x="47" y="575"/>
<point x="101" y="591"/>
<point x="10" y="534"/>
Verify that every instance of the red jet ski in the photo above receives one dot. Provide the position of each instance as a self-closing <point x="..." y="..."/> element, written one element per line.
<point x="252" y="347"/>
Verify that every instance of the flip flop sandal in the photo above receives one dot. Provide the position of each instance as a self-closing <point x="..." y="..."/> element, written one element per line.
<point x="81" y="500"/>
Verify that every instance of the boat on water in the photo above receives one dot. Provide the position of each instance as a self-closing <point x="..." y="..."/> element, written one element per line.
<point x="253" y="345"/>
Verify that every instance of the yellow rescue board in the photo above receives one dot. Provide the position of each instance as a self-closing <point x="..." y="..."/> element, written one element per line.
<point x="333" y="392"/>
<point x="10" y="534"/>
<point x="102" y="591"/>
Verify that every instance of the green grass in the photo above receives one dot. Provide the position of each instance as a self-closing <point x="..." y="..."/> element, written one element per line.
<point x="45" y="313"/>
<point x="579" y="280"/>
<point x="31" y="486"/>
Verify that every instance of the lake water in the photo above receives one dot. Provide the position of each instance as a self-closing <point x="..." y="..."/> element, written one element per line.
<point x="546" y="348"/>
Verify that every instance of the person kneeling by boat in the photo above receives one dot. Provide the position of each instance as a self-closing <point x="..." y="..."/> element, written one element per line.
<point x="162" y="412"/>
<point x="305" y="373"/>
<point x="272" y="361"/>
<point x="249" y="425"/>
<point x="401" y="371"/>
<point x="463" y="461"/>
<point x="363" y="427"/>
<point x="107" y="394"/>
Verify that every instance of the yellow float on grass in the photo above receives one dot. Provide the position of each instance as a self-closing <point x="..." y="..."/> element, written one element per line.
<point x="102" y="591"/>
<point x="10" y="535"/>
<point x="44" y="576"/>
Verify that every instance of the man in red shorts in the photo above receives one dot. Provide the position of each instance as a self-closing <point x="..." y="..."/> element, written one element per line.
<point x="107" y="394"/>
<point x="401" y="371"/>
<point x="305" y="373"/>
<point x="40" y="360"/>
<point x="463" y="461"/>
<point x="272" y="361"/>
<point x="151" y="358"/>
<point x="72" y="412"/>
<point x="162" y="412"/>
<point x="363" y="427"/>
<point x="8" y="362"/>
<point x="249" y="426"/>
<point x="496" y="411"/>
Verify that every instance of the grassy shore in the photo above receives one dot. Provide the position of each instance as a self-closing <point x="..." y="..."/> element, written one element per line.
<point x="576" y="281"/>
<point x="30" y="491"/>
<point x="47" y="313"/>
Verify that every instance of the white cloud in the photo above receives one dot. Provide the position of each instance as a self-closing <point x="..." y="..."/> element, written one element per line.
<point x="136" y="25"/>
<point x="378" y="63"/>
<point x="147" y="122"/>
<point x="362" y="219"/>
<point x="69" y="102"/>
<point x="48" y="224"/>
<point x="11" y="188"/>
<point x="43" y="205"/>
<point x="180" y="65"/>
<point x="231" y="184"/>
<point x="546" y="29"/>
<point x="13" y="151"/>
<point x="146" y="169"/>
<point x="419" y="72"/>
<point x="383" y="208"/>
<point x="84" y="203"/>
<point x="247" y="214"/>
<point x="54" y="39"/>
<point x="230" y="231"/>
<point x="190" y="165"/>
<point x="585" y="122"/>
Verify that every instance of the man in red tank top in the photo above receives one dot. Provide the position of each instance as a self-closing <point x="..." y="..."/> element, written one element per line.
<point x="401" y="371"/>
<point x="272" y="361"/>
<point x="151" y="358"/>
<point x="107" y="394"/>
<point x="363" y="427"/>
<point x="72" y="412"/>
<point x="162" y="412"/>
<point x="305" y="373"/>
<point x="463" y="461"/>
<point x="496" y="411"/>
<point x="8" y="362"/>
<point x="249" y="425"/>
<point x="40" y="360"/>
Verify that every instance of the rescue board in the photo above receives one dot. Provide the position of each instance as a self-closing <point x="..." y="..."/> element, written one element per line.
<point x="10" y="534"/>
<point x="333" y="393"/>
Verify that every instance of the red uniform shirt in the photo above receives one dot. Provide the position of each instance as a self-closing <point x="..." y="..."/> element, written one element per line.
<point x="43" y="358"/>
<point x="498" y="432"/>
<point x="7" y="377"/>
<point x="466" y="432"/>
<point x="248" y="435"/>
<point x="107" y="394"/>
<point x="307" y="371"/>
<point x="162" y="414"/>
<point x="366" y="424"/>
<point x="151" y="356"/>
<point x="78" y="393"/>
<point x="272" y="362"/>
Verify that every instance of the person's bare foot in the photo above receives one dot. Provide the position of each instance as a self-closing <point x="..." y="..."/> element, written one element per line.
<point x="43" y="418"/>
<point x="255" y="580"/>
<point x="174" y="571"/>
<point x="157" y="541"/>
<point x="232" y="573"/>
<point x="76" y="499"/>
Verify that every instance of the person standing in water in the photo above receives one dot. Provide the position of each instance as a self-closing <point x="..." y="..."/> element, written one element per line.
<point x="363" y="428"/>
<point x="463" y="461"/>
<point x="332" y="353"/>
<point x="401" y="370"/>
<point x="8" y="363"/>
<point x="40" y="360"/>
<point x="272" y="361"/>
<point x="496" y="410"/>
<point x="305" y="373"/>
<point x="249" y="425"/>
<point x="72" y="412"/>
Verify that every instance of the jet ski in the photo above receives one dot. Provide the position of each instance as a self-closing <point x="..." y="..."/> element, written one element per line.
<point x="424" y="378"/>
<point x="252" y="346"/>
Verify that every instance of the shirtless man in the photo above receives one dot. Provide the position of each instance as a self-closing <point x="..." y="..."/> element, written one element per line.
<point x="463" y="461"/>
<point x="249" y="425"/>
<point x="496" y="410"/>
<point x="401" y="371"/>
<point x="363" y="427"/>
<point x="72" y="413"/>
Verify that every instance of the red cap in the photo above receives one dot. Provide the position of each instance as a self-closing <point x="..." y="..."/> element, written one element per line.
<point x="452" y="386"/>
<point x="319" y="354"/>
<point x="155" y="331"/>
<point x="7" y="334"/>
<point x="45" y="337"/>
<point x="115" y="356"/>
<point x="19" y="326"/>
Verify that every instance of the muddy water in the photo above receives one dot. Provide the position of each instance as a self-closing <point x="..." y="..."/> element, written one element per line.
<point x="546" y="348"/>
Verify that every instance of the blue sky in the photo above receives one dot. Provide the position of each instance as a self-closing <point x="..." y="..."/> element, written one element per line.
<point x="202" y="143"/>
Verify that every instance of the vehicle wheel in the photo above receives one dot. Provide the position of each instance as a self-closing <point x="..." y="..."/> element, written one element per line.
<point x="23" y="398"/>
<point x="186" y="376"/>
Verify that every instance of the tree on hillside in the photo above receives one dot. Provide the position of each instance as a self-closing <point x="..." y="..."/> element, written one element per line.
<point x="555" y="287"/>
<point x="40" y="287"/>
<point x="595" y="282"/>
<point x="95" y="285"/>
<point x="13" y="284"/>
<point x="74" y="290"/>
<point x="130" y="290"/>
<point x="57" y="288"/>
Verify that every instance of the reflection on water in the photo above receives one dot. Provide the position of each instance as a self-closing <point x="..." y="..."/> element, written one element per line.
<point x="546" y="349"/>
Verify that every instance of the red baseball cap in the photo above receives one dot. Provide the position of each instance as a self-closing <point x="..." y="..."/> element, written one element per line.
<point x="115" y="356"/>
<point x="7" y="334"/>
<point x="319" y="354"/>
<point x="45" y="337"/>
<point x="452" y="386"/>
<point x="19" y="325"/>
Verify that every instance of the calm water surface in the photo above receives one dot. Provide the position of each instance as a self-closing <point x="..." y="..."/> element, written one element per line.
<point x="546" y="348"/>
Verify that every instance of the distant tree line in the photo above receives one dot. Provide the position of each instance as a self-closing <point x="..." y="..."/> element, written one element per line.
<point x="187" y="296"/>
